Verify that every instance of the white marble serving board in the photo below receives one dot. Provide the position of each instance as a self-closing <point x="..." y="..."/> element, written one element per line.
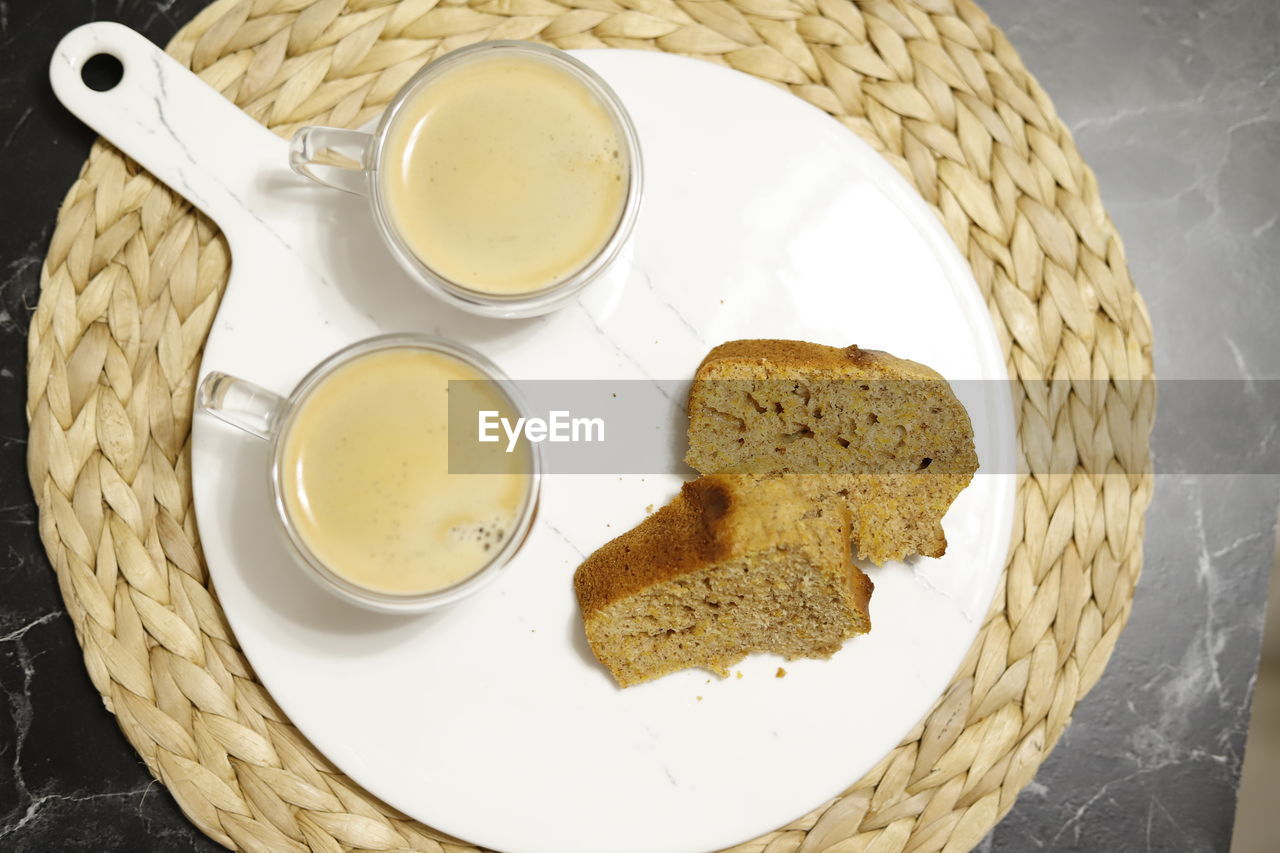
<point x="491" y="721"/>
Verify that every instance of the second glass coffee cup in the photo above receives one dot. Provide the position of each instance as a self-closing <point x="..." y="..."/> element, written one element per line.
<point x="380" y="501"/>
<point x="505" y="176"/>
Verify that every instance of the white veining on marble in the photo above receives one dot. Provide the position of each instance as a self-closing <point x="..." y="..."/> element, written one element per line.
<point x="20" y="709"/>
<point x="17" y="633"/>
<point x="921" y="573"/>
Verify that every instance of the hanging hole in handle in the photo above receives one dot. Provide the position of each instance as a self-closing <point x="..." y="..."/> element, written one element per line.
<point x="102" y="72"/>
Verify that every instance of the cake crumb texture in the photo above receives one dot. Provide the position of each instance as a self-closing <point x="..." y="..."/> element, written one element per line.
<point x="882" y="435"/>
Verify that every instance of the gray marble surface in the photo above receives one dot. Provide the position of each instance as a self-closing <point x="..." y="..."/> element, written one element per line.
<point x="1175" y="104"/>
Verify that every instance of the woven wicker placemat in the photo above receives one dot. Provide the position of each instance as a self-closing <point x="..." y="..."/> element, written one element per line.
<point x="133" y="277"/>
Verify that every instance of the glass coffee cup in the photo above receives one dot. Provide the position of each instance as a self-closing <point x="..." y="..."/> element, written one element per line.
<point x="504" y="176"/>
<point x="362" y="472"/>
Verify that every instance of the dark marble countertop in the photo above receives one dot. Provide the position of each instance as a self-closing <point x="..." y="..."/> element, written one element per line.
<point x="1174" y="104"/>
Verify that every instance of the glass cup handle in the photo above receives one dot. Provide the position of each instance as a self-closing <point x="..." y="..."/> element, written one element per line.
<point x="242" y="404"/>
<point x="343" y="168"/>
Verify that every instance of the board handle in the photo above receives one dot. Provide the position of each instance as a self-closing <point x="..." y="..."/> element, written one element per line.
<point x="170" y="121"/>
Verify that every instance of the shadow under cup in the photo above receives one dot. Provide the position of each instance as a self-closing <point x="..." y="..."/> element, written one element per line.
<point x="366" y="159"/>
<point x="287" y="421"/>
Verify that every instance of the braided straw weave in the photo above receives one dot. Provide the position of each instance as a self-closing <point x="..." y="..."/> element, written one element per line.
<point x="133" y="278"/>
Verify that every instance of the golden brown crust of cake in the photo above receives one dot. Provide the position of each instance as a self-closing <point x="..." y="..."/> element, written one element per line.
<point x="803" y="355"/>
<point x="711" y="520"/>
<point x="670" y="542"/>
<point x="861" y="587"/>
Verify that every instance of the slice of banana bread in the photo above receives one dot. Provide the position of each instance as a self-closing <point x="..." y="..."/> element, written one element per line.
<point x="885" y="435"/>
<point x="731" y="566"/>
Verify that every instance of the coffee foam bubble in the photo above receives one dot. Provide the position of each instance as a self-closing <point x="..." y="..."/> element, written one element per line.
<point x="488" y="533"/>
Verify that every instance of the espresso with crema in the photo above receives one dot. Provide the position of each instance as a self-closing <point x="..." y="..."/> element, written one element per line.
<point x="505" y="175"/>
<point x="365" y="476"/>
